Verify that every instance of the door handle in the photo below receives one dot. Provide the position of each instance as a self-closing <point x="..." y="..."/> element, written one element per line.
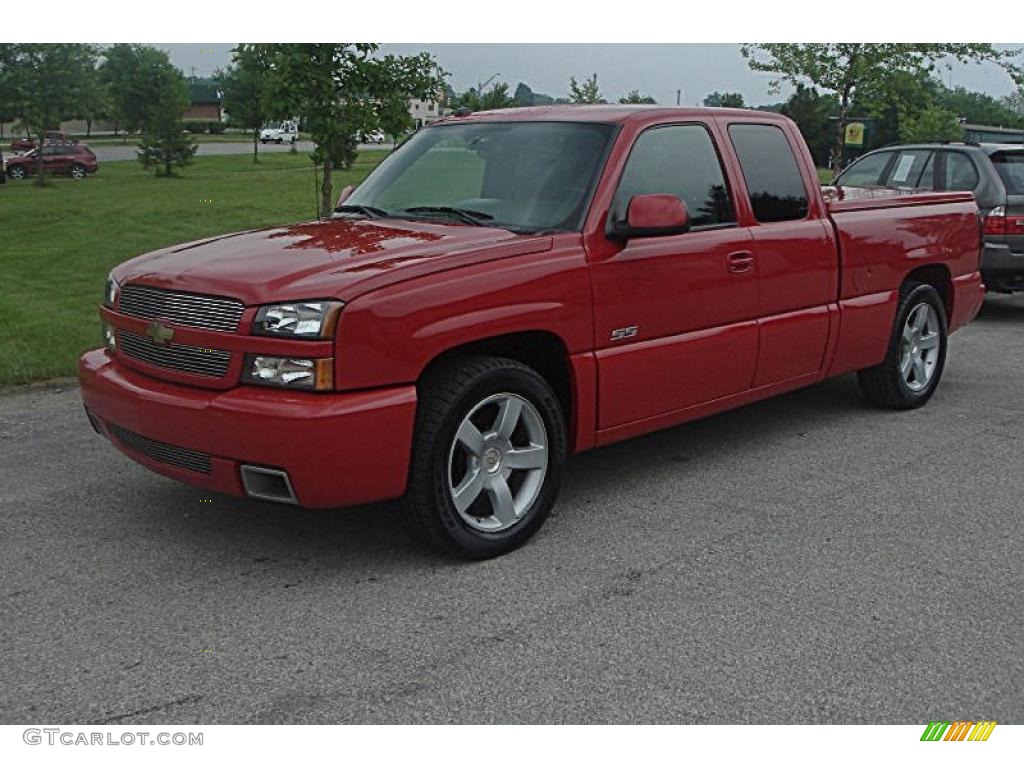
<point x="740" y="262"/>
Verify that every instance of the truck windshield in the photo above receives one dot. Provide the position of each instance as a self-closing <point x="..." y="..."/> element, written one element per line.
<point x="522" y="176"/>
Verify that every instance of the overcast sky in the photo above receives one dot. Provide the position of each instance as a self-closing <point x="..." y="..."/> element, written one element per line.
<point x="657" y="70"/>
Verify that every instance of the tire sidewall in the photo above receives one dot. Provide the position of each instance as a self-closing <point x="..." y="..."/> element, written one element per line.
<point x="16" y="173"/>
<point x="481" y="544"/>
<point x="921" y="293"/>
<point x="80" y="175"/>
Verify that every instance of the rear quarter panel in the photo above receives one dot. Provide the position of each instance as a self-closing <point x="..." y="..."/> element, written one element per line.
<point x="880" y="245"/>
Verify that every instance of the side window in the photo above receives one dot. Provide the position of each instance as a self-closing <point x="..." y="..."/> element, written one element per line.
<point x="677" y="160"/>
<point x="906" y="171"/>
<point x="959" y="173"/>
<point x="927" y="178"/>
<point x="866" y="172"/>
<point x="774" y="183"/>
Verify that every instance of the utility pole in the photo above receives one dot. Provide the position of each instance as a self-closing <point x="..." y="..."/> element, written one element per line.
<point x="679" y="97"/>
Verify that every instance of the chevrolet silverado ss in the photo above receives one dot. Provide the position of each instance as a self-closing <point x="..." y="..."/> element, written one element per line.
<point x="511" y="287"/>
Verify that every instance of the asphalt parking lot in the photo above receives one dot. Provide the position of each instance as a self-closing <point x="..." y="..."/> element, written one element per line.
<point x="806" y="559"/>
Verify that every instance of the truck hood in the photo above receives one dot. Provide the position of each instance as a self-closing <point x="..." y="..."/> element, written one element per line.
<point x="338" y="258"/>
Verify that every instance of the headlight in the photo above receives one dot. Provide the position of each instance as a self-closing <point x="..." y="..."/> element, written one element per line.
<point x="290" y="372"/>
<point x="110" y="292"/>
<point x="298" y="319"/>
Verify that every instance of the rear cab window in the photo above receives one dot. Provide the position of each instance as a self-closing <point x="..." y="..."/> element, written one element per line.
<point x="770" y="170"/>
<point x="678" y="160"/>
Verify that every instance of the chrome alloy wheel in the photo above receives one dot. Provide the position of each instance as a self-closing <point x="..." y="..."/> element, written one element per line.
<point x="919" y="346"/>
<point x="497" y="462"/>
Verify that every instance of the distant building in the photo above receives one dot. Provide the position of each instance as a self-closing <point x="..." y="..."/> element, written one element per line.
<point x="424" y="112"/>
<point x="204" y="100"/>
<point x="991" y="134"/>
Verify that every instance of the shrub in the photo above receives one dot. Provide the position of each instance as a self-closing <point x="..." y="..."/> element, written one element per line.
<point x="195" y="126"/>
<point x="216" y="127"/>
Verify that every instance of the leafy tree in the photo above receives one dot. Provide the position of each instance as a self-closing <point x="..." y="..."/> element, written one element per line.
<point x="716" y="99"/>
<point x="495" y="97"/>
<point x="247" y="98"/>
<point x="1015" y="102"/>
<point x="132" y="74"/>
<point x="635" y="97"/>
<point x="165" y="145"/>
<point x="7" y="111"/>
<point x="343" y="90"/>
<point x="930" y="124"/>
<point x="976" y="107"/>
<point x="44" y="81"/>
<point x="811" y="110"/>
<point x="524" y="96"/>
<point x="843" y="68"/>
<point x="586" y="92"/>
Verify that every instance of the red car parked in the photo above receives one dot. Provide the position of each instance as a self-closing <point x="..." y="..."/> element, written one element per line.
<point x="74" y="160"/>
<point x="25" y="143"/>
<point x="511" y="287"/>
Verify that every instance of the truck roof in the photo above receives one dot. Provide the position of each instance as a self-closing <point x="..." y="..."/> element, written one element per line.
<point x="607" y="113"/>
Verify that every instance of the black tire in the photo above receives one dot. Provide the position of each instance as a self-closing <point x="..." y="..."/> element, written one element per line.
<point x="78" y="171"/>
<point x="16" y="172"/>
<point x="884" y="385"/>
<point x="447" y="394"/>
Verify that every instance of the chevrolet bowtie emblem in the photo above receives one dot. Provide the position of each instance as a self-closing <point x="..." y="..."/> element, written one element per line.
<point x="159" y="333"/>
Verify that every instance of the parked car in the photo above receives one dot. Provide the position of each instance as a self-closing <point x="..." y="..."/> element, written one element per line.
<point x="26" y="144"/>
<point x="993" y="172"/>
<point x="280" y="133"/>
<point x="75" y="160"/>
<point x="374" y="137"/>
<point x="515" y="286"/>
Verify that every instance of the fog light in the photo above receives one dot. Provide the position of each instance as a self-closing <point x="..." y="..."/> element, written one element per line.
<point x="290" y="372"/>
<point x="109" y="338"/>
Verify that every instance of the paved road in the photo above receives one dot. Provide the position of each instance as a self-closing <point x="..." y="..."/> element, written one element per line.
<point x="808" y="559"/>
<point x="110" y="153"/>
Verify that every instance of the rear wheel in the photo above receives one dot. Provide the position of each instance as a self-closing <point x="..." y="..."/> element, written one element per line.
<point x="78" y="171"/>
<point x="488" y="457"/>
<point x="916" y="357"/>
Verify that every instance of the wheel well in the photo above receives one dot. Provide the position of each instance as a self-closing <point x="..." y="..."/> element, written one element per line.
<point x="938" y="277"/>
<point x="544" y="352"/>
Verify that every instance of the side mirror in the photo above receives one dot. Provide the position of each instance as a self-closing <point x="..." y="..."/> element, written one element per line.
<point x="346" y="193"/>
<point x="652" y="216"/>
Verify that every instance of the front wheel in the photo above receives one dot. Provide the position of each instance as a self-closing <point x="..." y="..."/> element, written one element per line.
<point x="916" y="357"/>
<point x="78" y="171"/>
<point x="16" y="172"/>
<point x="488" y="457"/>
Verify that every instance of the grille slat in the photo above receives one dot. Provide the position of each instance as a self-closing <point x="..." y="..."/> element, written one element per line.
<point x="177" y="357"/>
<point x="214" y="313"/>
<point x="165" y="453"/>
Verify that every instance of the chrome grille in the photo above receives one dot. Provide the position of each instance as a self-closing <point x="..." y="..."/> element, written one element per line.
<point x="192" y="309"/>
<point x="176" y="357"/>
<point x="163" y="452"/>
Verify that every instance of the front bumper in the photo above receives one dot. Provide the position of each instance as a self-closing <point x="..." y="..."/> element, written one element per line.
<point x="337" y="449"/>
<point x="1002" y="269"/>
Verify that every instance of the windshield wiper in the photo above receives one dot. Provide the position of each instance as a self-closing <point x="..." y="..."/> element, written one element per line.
<point x="366" y="210"/>
<point x="467" y="215"/>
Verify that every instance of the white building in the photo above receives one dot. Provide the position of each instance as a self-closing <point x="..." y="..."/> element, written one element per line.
<point x="424" y="112"/>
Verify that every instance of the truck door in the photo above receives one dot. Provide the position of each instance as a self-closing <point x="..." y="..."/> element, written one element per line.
<point x="674" y="316"/>
<point x="795" y="251"/>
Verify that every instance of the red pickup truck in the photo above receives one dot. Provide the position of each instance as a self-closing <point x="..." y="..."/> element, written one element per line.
<point x="511" y="287"/>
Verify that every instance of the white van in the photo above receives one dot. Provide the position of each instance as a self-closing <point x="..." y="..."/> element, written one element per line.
<point x="279" y="133"/>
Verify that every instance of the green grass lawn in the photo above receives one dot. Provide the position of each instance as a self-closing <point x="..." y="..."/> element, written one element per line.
<point x="59" y="242"/>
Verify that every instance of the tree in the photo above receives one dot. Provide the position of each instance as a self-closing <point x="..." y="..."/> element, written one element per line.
<point x="95" y="102"/>
<point x="132" y="73"/>
<point x="843" y="68"/>
<point x="247" y="98"/>
<point x="495" y="97"/>
<point x="931" y="124"/>
<point x="635" y="97"/>
<point x="717" y="99"/>
<point x="975" y="107"/>
<point x="44" y="81"/>
<point x="586" y="92"/>
<point x="810" y="111"/>
<point x="164" y="145"/>
<point x="343" y="90"/>
<point x="524" y="96"/>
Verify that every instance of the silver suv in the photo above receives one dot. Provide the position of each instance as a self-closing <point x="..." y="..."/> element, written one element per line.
<point x="993" y="172"/>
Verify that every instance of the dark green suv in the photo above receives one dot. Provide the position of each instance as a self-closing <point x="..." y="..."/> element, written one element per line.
<point x="993" y="172"/>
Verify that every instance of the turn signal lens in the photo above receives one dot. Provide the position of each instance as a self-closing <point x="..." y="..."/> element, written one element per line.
<point x="995" y="222"/>
<point x="290" y="372"/>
